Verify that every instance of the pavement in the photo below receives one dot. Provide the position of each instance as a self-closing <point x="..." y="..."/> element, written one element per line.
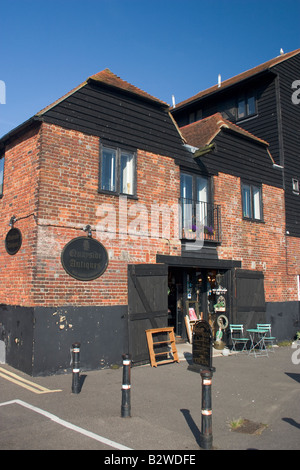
<point x="41" y="413"/>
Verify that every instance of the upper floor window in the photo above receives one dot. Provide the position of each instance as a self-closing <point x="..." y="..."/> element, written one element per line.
<point x="194" y="192"/>
<point x="117" y="171"/>
<point x="193" y="187"/>
<point x="252" y="201"/>
<point x="1" y="175"/>
<point x="296" y="187"/>
<point x="246" y="105"/>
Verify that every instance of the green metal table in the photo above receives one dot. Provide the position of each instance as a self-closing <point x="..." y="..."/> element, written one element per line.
<point x="257" y="338"/>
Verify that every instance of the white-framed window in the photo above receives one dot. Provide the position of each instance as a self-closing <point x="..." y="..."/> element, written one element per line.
<point x="117" y="171"/>
<point x="295" y="186"/>
<point x="194" y="194"/>
<point x="252" y="201"/>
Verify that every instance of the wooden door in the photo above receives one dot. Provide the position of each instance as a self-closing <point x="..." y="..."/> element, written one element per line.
<point x="250" y="298"/>
<point x="147" y="305"/>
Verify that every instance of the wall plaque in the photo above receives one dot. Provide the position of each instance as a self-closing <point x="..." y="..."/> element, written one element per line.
<point x="84" y="258"/>
<point x="202" y="345"/>
<point x="13" y="241"/>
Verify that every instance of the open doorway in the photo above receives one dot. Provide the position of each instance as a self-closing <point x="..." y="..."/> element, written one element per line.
<point x="186" y="292"/>
<point x="195" y="291"/>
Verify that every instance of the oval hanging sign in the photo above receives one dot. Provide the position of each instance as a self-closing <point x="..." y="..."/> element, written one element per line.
<point x="84" y="258"/>
<point x="13" y="241"/>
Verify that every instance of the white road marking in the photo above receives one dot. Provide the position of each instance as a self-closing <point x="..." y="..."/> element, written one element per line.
<point x="68" y="425"/>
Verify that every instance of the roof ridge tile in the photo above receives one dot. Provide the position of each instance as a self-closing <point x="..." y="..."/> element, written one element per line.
<point x="202" y="132"/>
<point x="239" y="77"/>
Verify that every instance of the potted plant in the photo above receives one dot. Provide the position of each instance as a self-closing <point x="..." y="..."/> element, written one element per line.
<point x="220" y="306"/>
<point x="208" y="230"/>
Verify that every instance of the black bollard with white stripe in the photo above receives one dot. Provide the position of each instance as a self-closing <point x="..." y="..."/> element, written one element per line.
<point x="206" y="437"/>
<point x="76" y="370"/>
<point x="126" y="386"/>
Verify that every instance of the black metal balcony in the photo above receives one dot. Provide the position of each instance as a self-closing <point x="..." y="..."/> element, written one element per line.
<point x="200" y="220"/>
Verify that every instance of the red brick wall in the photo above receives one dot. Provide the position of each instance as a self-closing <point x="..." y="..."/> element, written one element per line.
<point x="59" y="168"/>
<point x="260" y="246"/>
<point x="20" y="193"/>
<point x="293" y="262"/>
<point x="69" y="200"/>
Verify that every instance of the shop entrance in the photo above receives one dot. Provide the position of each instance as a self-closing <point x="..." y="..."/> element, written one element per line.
<point x="194" y="291"/>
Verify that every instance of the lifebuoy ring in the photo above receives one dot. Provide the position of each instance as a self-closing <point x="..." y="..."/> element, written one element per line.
<point x="222" y="322"/>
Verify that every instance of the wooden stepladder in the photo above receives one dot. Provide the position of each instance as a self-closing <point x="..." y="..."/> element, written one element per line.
<point x="158" y="346"/>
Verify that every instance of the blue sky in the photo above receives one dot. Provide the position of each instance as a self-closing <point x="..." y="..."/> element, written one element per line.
<point x="164" y="47"/>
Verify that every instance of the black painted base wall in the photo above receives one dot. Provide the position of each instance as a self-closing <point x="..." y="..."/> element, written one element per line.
<point x="38" y="339"/>
<point x="16" y="330"/>
<point x="284" y="318"/>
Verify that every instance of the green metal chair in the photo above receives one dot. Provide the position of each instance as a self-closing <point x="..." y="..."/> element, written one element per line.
<point x="268" y="339"/>
<point x="237" y="337"/>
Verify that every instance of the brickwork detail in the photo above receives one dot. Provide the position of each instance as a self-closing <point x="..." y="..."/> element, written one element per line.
<point x="21" y="174"/>
<point x="261" y="246"/>
<point x="51" y="186"/>
<point x="66" y="184"/>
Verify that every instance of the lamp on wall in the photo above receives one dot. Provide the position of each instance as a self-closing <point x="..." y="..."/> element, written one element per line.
<point x="88" y="229"/>
<point x="13" y="219"/>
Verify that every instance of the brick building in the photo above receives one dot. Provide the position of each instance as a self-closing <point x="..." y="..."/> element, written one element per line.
<point x="104" y="155"/>
<point x="170" y="210"/>
<point x="265" y="102"/>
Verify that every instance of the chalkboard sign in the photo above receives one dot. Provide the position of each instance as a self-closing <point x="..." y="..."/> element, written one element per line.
<point x="13" y="241"/>
<point x="84" y="258"/>
<point x="202" y="345"/>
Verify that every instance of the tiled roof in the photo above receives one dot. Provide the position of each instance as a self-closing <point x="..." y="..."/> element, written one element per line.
<point x="202" y="133"/>
<point x="238" y="78"/>
<point x="107" y="77"/>
<point x="44" y="110"/>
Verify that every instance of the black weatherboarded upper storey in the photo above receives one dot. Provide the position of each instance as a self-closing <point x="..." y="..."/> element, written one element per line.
<point x="250" y="161"/>
<point x="263" y="124"/>
<point x="120" y="118"/>
<point x="288" y="72"/>
<point x="119" y="113"/>
<point x="276" y="118"/>
<point x="227" y="148"/>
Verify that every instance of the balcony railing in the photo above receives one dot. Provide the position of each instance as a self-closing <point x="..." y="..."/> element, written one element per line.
<point x="200" y="219"/>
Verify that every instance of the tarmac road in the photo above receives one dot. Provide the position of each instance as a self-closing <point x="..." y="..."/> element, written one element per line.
<point x="41" y="413"/>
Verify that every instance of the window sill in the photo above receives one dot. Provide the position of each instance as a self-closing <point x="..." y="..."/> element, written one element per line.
<point x="259" y="221"/>
<point x="247" y="118"/>
<point x="113" y="193"/>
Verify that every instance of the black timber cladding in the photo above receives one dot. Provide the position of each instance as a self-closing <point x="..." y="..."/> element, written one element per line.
<point x="238" y="156"/>
<point x="277" y="121"/>
<point x="288" y="72"/>
<point x="263" y="124"/>
<point x="120" y="119"/>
